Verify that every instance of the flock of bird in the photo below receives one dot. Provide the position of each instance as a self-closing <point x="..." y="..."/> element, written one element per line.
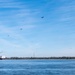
<point x="22" y="28"/>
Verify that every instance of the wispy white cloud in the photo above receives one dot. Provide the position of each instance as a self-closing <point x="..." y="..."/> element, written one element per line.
<point x="15" y="40"/>
<point x="67" y="8"/>
<point x="6" y="0"/>
<point x="8" y="43"/>
<point x="24" y="27"/>
<point x="12" y="22"/>
<point x="14" y="31"/>
<point x="65" y="12"/>
<point x="66" y="19"/>
<point x="10" y="4"/>
<point x="21" y="16"/>
<point x="19" y="22"/>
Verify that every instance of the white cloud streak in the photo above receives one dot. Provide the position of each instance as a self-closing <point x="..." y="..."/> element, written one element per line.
<point x="17" y="42"/>
<point x="10" y="4"/>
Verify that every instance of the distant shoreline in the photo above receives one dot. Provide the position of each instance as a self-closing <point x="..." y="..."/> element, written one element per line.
<point x="16" y="58"/>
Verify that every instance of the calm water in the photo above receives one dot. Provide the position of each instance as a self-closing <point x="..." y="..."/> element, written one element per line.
<point x="37" y="67"/>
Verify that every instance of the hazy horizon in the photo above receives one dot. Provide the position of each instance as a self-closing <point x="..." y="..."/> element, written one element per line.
<point x="37" y="28"/>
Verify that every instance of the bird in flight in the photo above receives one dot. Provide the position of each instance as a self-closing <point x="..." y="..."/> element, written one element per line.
<point x="20" y="28"/>
<point x="8" y="35"/>
<point x="42" y="17"/>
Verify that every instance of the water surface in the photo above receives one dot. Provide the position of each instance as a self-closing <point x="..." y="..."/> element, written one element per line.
<point x="37" y="67"/>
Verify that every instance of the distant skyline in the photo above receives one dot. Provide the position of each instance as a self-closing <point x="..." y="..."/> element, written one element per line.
<point x="37" y="27"/>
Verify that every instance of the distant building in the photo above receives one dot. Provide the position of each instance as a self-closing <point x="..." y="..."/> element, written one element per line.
<point x="2" y="57"/>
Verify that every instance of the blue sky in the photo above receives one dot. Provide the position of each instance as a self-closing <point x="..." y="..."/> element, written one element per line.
<point x="24" y="33"/>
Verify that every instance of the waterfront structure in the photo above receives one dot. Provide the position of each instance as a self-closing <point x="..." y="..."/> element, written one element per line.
<point x="2" y="57"/>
